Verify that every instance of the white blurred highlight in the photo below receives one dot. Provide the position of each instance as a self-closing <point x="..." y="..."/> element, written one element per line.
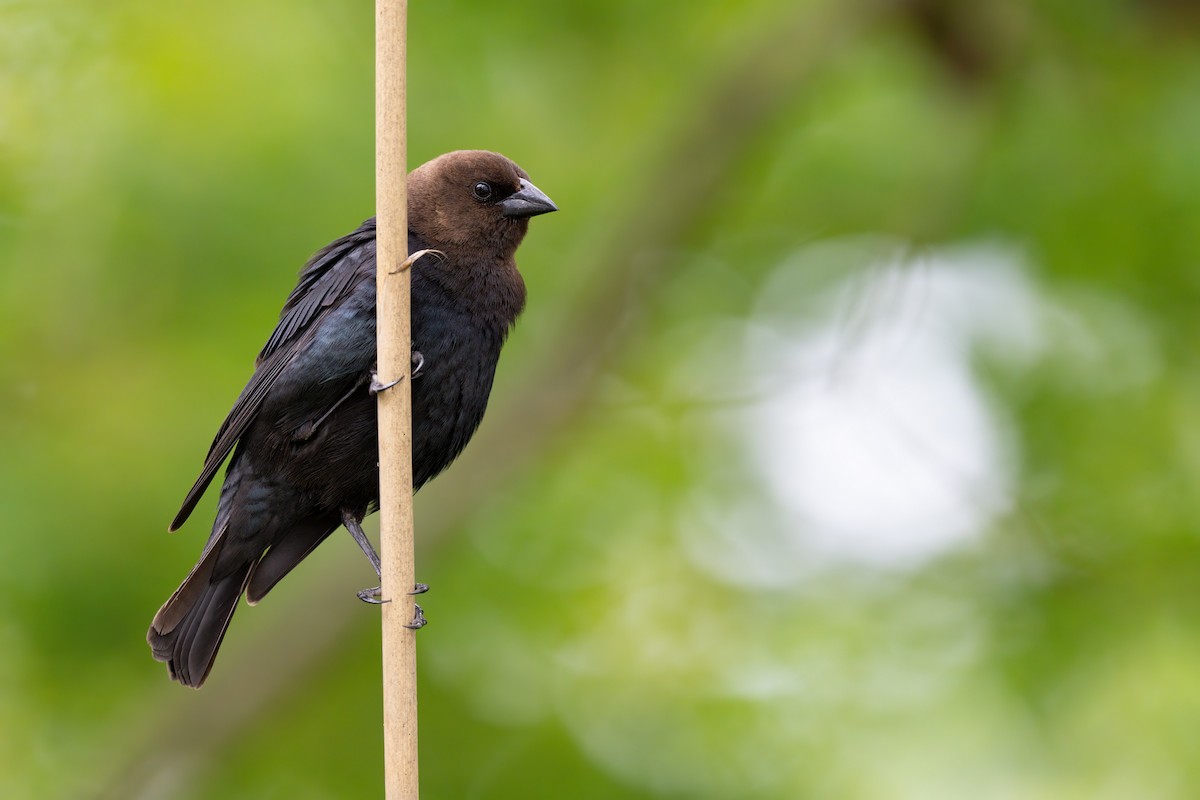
<point x="871" y="434"/>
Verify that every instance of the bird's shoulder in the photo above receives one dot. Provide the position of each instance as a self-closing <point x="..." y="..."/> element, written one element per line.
<point x="330" y="274"/>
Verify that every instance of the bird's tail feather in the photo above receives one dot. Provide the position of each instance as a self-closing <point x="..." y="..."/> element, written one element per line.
<point x="302" y="538"/>
<point x="187" y="631"/>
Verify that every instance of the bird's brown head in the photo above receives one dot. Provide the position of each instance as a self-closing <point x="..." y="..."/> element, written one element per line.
<point x="473" y="204"/>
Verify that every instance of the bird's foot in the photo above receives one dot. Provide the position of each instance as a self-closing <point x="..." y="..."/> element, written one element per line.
<point x="418" y="620"/>
<point x="374" y="597"/>
<point x="418" y="363"/>
<point x="378" y="386"/>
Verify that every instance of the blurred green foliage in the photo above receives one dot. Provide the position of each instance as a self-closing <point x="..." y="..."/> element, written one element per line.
<point x="622" y="605"/>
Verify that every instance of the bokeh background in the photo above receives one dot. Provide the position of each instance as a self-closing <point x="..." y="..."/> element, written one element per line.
<point x="849" y="446"/>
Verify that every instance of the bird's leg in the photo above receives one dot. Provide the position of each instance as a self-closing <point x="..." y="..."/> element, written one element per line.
<point x="354" y="525"/>
<point x="306" y="431"/>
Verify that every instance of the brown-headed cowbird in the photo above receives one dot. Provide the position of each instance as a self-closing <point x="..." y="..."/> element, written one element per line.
<point x="303" y="432"/>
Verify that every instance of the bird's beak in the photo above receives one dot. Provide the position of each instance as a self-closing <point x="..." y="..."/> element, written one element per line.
<point x="528" y="201"/>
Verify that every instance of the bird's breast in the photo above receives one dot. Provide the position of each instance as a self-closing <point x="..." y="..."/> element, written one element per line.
<point x="450" y="395"/>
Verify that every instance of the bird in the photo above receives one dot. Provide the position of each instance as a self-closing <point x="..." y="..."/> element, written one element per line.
<point x="303" y="433"/>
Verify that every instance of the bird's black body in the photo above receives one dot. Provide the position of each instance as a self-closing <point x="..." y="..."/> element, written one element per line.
<point x="303" y="432"/>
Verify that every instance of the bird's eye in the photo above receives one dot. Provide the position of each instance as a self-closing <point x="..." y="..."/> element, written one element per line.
<point x="483" y="190"/>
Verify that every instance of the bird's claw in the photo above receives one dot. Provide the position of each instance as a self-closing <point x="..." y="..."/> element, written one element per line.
<point x="372" y="596"/>
<point x="412" y="259"/>
<point x="378" y="386"/>
<point x="418" y="620"/>
<point x="418" y="363"/>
